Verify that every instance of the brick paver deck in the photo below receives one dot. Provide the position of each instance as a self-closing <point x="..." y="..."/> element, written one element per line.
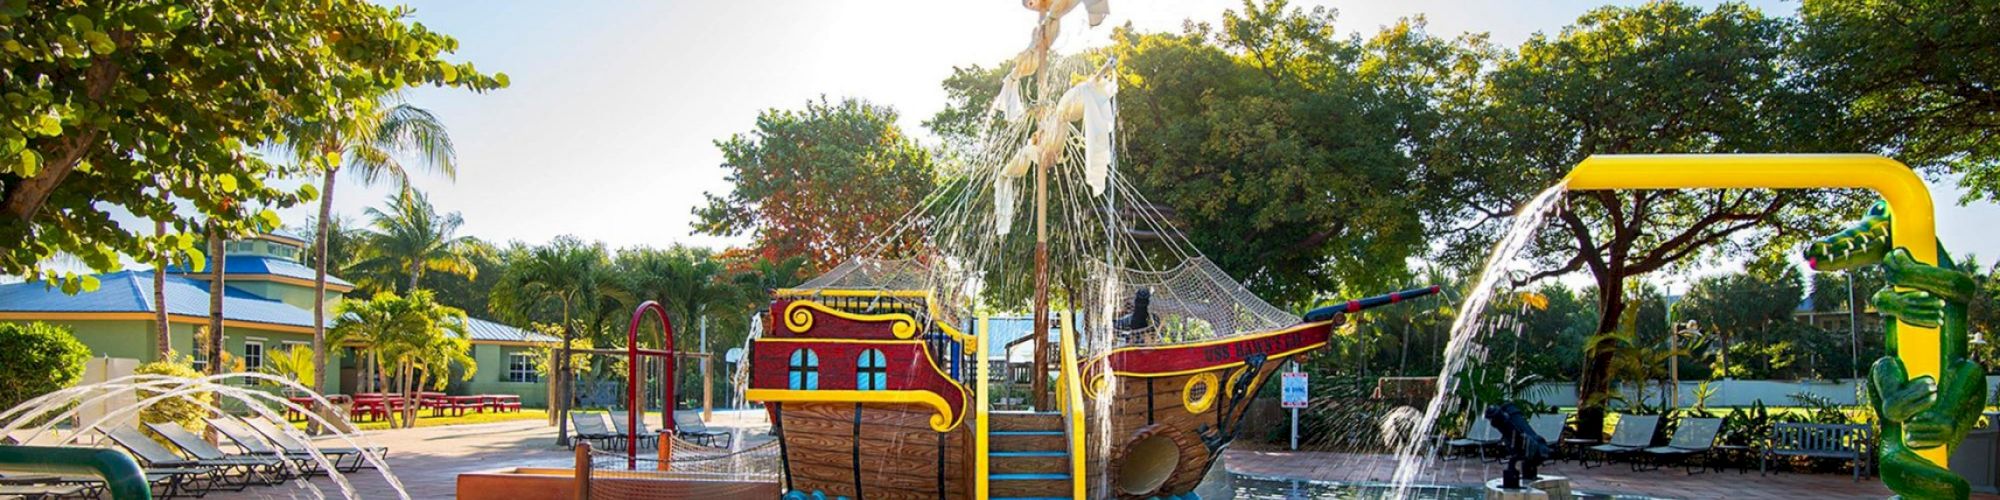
<point x="1616" y="478"/>
<point x="428" y="461"/>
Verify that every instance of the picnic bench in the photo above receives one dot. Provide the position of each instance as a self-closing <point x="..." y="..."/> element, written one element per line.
<point x="1840" y="441"/>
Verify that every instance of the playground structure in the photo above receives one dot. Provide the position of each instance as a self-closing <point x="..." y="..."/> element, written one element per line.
<point x="1923" y="380"/>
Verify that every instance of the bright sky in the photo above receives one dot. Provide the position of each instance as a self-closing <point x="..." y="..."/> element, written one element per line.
<point x="607" y="130"/>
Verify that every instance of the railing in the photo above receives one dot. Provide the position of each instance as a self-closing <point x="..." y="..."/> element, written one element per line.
<point x="1072" y="406"/>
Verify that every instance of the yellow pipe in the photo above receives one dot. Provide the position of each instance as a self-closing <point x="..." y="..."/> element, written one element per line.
<point x="980" y="443"/>
<point x="1073" y="405"/>
<point x="1913" y="225"/>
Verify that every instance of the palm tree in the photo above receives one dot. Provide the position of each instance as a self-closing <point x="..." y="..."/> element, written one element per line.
<point x="162" y="342"/>
<point x="566" y="277"/>
<point x="368" y="139"/>
<point x="410" y="237"/>
<point x="343" y="244"/>
<point x="417" y="336"/>
<point x="218" y="264"/>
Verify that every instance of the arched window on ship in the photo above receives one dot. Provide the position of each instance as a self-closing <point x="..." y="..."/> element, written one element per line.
<point x="873" y="371"/>
<point x="805" y="370"/>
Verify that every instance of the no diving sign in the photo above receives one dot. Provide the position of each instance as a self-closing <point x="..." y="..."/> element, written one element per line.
<point x="1294" y="387"/>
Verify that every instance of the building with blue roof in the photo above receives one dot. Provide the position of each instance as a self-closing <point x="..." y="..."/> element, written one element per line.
<point x="267" y="307"/>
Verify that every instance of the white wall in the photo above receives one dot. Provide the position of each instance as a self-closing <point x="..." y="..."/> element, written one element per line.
<point x="1733" y="392"/>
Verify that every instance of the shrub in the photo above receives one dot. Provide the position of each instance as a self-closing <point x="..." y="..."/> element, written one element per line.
<point x="36" y="359"/>
<point x="186" y="410"/>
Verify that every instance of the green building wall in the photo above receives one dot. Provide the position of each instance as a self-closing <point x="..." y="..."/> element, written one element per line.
<point x="492" y="376"/>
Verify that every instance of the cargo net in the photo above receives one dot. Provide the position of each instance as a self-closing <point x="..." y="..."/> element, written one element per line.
<point x="1190" y="302"/>
<point x="613" y="476"/>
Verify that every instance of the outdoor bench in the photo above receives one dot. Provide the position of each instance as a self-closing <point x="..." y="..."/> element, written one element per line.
<point x="1840" y="441"/>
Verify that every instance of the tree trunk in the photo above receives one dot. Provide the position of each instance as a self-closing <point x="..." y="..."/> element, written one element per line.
<point x="218" y="265"/>
<point x="319" y="280"/>
<point x="164" y="341"/>
<point x="416" y="273"/>
<point x="561" y="403"/>
<point x="1596" y="380"/>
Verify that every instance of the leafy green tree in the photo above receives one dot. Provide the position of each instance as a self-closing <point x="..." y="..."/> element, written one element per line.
<point x="1916" y="77"/>
<point x="409" y="238"/>
<point x="1753" y="304"/>
<point x="36" y="359"/>
<point x="121" y="106"/>
<point x="368" y="136"/>
<point x="291" y="364"/>
<point x="1278" y="146"/>
<point x="564" y="280"/>
<point x="472" y="293"/>
<point x="820" y="182"/>
<point x="1658" y="78"/>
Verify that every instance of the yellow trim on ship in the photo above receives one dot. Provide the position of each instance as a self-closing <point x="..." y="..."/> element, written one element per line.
<point x="1914" y="227"/>
<point x="951" y="419"/>
<point x="929" y="305"/>
<point x="799" y="318"/>
<point x="944" y="420"/>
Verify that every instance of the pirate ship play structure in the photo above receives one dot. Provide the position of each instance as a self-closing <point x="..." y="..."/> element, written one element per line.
<point x="878" y="375"/>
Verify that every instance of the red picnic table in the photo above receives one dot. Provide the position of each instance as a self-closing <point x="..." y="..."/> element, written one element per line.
<point x="375" y="406"/>
<point x="502" y="402"/>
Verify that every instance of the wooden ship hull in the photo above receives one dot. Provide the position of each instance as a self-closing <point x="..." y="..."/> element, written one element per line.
<point x="885" y="402"/>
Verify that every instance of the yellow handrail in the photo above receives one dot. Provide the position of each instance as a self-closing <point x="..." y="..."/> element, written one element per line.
<point x="1913" y="226"/>
<point x="980" y="443"/>
<point x="1073" y="405"/>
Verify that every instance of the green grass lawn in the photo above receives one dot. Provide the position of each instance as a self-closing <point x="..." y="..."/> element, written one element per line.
<point x="425" y="420"/>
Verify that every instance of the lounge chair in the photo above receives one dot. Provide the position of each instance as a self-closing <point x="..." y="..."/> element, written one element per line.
<point x="591" y="427"/>
<point x="689" y="427"/>
<point x="284" y="440"/>
<point x="35" y="491"/>
<point x="1634" y="433"/>
<point x="165" y="483"/>
<point x="1695" y="437"/>
<point x="256" y="444"/>
<point x="1479" y="437"/>
<point x="648" y="438"/>
<point x="1549" y="426"/>
<point x="158" y="459"/>
<point x="265" y="470"/>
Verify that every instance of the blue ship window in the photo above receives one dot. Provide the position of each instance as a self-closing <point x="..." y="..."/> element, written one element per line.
<point x="873" y="374"/>
<point x="805" y="370"/>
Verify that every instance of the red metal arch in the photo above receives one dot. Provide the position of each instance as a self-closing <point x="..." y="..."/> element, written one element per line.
<point x="635" y="405"/>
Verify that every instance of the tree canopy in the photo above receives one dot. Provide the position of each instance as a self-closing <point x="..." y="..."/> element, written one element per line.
<point x="122" y="106"/>
<point x="820" y="182"/>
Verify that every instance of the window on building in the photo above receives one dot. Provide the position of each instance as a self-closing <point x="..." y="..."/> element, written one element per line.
<point x="521" y="368"/>
<point x="253" y="355"/>
<point x="872" y="372"/>
<point x="805" y="370"/>
<point x="200" y="359"/>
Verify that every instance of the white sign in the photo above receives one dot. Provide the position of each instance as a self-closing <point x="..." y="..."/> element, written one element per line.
<point x="1294" y="390"/>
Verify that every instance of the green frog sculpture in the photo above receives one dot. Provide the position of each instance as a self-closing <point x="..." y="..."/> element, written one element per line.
<point x="1923" y="413"/>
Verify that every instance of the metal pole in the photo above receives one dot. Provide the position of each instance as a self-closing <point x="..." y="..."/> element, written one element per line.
<point x="1853" y="329"/>
<point x="1295" y="414"/>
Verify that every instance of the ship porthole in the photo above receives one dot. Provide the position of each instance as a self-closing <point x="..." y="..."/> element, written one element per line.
<point x="1148" y="461"/>
<point x="1199" y="394"/>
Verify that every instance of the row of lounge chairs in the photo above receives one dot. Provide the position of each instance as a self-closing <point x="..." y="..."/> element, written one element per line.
<point x="609" y="431"/>
<point x="1631" y="441"/>
<point x="193" y="467"/>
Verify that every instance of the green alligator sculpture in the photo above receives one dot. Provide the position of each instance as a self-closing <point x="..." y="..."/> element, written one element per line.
<point x="1924" y="413"/>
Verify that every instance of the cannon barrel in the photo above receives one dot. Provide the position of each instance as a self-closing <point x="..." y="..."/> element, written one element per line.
<point x="1328" y="312"/>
